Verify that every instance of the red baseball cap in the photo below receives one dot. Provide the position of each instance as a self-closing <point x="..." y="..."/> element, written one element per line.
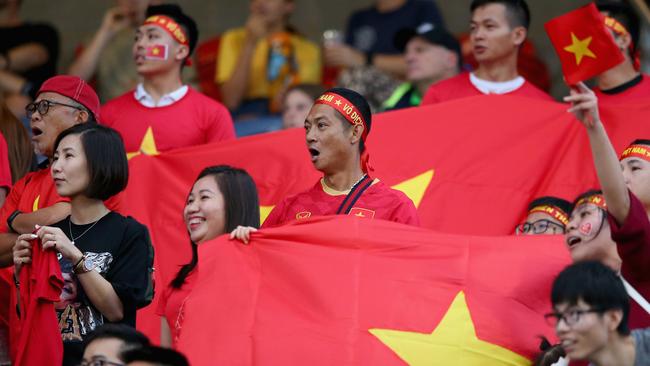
<point x="74" y="88"/>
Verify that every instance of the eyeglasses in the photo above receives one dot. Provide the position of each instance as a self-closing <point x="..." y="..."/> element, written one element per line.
<point x="571" y="317"/>
<point x="539" y="227"/>
<point x="43" y="106"/>
<point x="99" y="362"/>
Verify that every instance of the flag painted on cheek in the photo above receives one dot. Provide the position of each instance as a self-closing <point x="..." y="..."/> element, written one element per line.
<point x="157" y="52"/>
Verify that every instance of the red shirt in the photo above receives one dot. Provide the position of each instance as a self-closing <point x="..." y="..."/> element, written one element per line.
<point x="193" y="120"/>
<point x="633" y="243"/>
<point x="461" y="87"/>
<point x="38" y="338"/>
<point x="630" y="91"/>
<point x="34" y="191"/>
<point x="379" y="201"/>
<point x="172" y="301"/>
<point x="5" y="169"/>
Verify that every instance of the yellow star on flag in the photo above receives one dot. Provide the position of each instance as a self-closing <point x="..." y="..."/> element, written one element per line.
<point x="155" y="51"/>
<point x="580" y="48"/>
<point x="147" y="146"/>
<point x="453" y="342"/>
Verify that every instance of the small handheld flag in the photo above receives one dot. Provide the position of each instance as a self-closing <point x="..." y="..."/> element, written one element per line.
<point x="584" y="45"/>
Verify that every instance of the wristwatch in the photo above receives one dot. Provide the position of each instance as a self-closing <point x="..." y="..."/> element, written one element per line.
<point x="84" y="265"/>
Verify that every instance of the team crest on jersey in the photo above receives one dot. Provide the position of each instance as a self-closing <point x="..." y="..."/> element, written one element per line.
<point x="362" y="212"/>
<point x="303" y="215"/>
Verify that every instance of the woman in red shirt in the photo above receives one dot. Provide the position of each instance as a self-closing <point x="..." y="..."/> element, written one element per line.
<point x="221" y="199"/>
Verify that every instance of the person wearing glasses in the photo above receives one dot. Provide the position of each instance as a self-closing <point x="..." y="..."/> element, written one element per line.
<point x="546" y="216"/>
<point x="105" y="345"/>
<point x="61" y="102"/>
<point x="590" y="317"/>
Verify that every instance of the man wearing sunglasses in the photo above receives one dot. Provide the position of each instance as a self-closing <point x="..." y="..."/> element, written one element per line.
<point x="546" y="216"/>
<point x="62" y="102"/>
<point x="590" y="314"/>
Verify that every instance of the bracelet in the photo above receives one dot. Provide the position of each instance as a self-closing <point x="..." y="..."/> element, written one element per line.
<point x="10" y="220"/>
<point x="74" y="268"/>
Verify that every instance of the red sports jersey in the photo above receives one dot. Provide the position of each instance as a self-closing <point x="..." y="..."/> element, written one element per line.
<point x="631" y="91"/>
<point x="461" y="87"/>
<point x="193" y="120"/>
<point x="379" y="201"/>
<point x="171" y="303"/>
<point x="37" y="331"/>
<point x="632" y="239"/>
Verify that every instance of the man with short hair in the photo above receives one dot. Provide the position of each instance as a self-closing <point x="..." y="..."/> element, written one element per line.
<point x="336" y="130"/>
<point x="546" y="216"/>
<point x="106" y="344"/>
<point x="497" y="30"/>
<point x="623" y="82"/>
<point x="62" y="102"/>
<point x="432" y="55"/>
<point x="162" y="114"/>
<point x="590" y="312"/>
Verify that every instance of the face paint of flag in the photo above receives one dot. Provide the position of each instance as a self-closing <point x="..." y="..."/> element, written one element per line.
<point x="157" y="52"/>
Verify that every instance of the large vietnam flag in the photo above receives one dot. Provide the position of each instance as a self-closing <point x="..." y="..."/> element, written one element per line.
<point x="471" y="166"/>
<point x="345" y="291"/>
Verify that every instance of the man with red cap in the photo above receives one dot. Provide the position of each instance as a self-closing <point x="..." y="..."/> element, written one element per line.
<point x="161" y="113"/>
<point x="61" y="102"/>
<point x="336" y="130"/>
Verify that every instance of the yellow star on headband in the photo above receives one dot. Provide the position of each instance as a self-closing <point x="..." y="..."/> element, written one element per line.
<point x="338" y="102"/>
<point x="580" y="48"/>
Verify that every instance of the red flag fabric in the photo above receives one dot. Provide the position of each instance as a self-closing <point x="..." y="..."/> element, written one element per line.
<point x="583" y="44"/>
<point x="37" y="330"/>
<point x="344" y="291"/>
<point x="468" y="169"/>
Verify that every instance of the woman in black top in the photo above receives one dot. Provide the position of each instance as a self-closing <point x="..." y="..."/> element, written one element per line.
<point x="103" y="255"/>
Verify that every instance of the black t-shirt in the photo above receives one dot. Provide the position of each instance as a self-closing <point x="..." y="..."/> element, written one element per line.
<point x="43" y="34"/>
<point x="371" y="31"/>
<point x="118" y="246"/>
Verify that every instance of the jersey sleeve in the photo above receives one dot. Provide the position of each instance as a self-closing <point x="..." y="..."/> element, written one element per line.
<point x="219" y="125"/>
<point x="128" y="273"/>
<point x="406" y="213"/>
<point x="632" y="239"/>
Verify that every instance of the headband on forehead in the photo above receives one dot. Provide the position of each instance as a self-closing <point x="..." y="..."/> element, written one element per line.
<point x="351" y="114"/>
<point x="636" y="151"/>
<point x="552" y="211"/>
<point x="594" y="199"/>
<point x="620" y="29"/>
<point x="170" y="26"/>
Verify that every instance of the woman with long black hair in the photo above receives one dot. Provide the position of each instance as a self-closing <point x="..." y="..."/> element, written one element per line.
<point x="221" y="198"/>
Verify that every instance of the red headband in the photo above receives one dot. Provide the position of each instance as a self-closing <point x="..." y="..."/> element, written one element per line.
<point x="596" y="199"/>
<point x="352" y="115"/>
<point x="620" y="29"/>
<point x="554" y="212"/>
<point x="170" y="26"/>
<point x="636" y="151"/>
